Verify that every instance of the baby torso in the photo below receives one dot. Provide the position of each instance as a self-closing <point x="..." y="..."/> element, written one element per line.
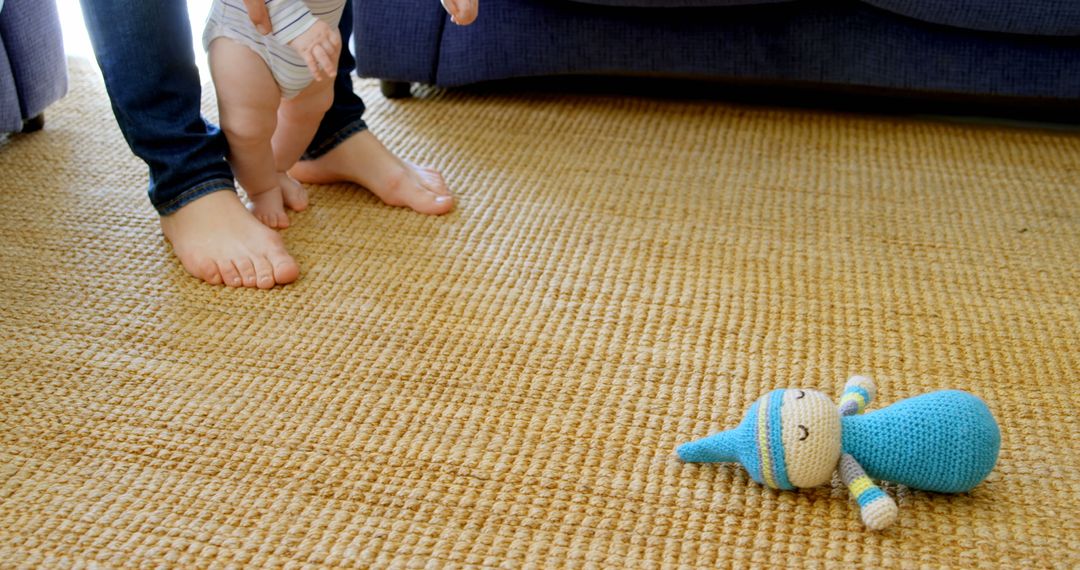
<point x="289" y="18"/>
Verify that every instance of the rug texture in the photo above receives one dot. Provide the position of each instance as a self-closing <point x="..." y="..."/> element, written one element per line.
<point x="505" y="386"/>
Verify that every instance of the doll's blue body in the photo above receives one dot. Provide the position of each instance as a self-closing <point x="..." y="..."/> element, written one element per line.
<point x="943" y="441"/>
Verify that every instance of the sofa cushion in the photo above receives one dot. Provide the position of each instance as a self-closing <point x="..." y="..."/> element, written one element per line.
<point x="679" y="3"/>
<point x="1032" y="17"/>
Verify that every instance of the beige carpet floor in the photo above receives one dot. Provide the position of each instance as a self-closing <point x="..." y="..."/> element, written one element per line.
<point x="505" y="386"/>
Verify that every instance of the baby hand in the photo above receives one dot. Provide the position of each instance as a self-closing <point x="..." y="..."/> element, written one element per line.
<point x="259" y="15"/>
<point x="462" y="12"/>
<point x="320" y="47"/>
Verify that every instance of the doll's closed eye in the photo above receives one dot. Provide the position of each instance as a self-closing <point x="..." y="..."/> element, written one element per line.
<point x="805" y="432"/>
<point x="801" y="395"/>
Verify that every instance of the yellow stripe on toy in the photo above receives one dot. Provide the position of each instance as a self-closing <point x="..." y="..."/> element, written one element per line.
<point x="860" y="485"/>
<point x="858" y="393"/>
<point x="763" y="442"/>
<point x="856" y="397"/>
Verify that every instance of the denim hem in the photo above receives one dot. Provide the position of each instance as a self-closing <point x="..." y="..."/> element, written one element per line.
<point x="331" y="142"/>
<point x="194" y="193"/>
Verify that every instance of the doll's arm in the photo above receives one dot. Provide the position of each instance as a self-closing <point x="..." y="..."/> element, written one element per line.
<point x="877" y="509"/>
<point x="858" y="392"/>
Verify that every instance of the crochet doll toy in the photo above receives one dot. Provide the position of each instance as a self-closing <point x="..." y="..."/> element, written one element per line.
<point x="943" y="441"/>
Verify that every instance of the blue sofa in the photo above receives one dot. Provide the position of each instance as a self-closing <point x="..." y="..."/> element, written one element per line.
<point x="1005" y="49"/>
<point x="33" y="68"/>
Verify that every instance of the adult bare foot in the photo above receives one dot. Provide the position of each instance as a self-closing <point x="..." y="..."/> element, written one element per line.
<point x="363" y="160"/>
<point x="220" y="242"/>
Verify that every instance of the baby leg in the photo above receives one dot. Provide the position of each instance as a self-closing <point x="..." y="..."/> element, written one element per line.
<point x="248" y="99"/>
<point x="298" y="119"/>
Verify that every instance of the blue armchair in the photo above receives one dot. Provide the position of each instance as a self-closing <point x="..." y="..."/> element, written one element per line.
<point x="33" y="68"/>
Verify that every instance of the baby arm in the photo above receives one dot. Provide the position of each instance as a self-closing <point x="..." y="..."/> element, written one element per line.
<point x="259" y="15"/>
<point x="293" y="23"/>
<point x="462" y="12"/>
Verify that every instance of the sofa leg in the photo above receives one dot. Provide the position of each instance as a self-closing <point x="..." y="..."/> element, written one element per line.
<point x="34" y="123"/>
<point x="395" y="89"/>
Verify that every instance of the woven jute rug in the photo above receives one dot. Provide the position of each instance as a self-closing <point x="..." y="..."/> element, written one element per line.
<point x="505" y="386"/>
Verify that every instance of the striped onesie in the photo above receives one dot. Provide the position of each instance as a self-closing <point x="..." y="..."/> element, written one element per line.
<point x="290" y="18"/>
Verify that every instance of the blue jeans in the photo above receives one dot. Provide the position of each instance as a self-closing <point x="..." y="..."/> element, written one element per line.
<point x="146" y="56"/>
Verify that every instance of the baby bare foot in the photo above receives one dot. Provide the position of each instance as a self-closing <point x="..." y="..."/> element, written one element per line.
<point x="269" y="205"/>
<point x="218" y="241"/>
<point x="292" y="193"/>
<point x="363" y="160"/>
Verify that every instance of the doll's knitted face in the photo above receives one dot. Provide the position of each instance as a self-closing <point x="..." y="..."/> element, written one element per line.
<point x="789" y="438"/>
<point x="810" y="432"/>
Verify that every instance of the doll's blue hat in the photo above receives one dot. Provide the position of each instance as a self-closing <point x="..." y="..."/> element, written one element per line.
<point x="755" y="443"/>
